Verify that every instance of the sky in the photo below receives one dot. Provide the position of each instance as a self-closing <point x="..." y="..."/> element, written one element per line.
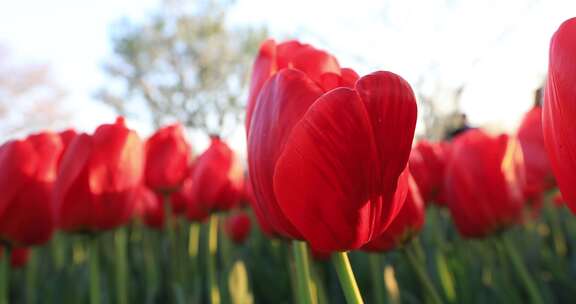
<point x="497" y="49"/>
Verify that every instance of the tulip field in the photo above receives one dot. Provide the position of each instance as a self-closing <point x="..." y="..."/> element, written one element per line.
<point x="336" y="201"/>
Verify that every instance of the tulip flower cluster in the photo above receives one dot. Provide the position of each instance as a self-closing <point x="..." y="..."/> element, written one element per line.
<point x="87" y="184"/>
<point x="332" y="172"/>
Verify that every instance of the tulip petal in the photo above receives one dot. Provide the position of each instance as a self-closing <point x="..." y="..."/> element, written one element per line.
<point x="315" y="62"/>
<point x="264" y="66"/>
<point x="71" y="192"/>
<point x="29" y="220"/>
<point x="559" y="110"/>
<point x="117" y="164"/>
<point x="17" y="167"/>
<point x="349" y="77"/>
<point x="281" y="104"/>
<point x="324" y="176"/>
<point x="405" y="225"/>
<point x="539" y="176"/>
<point x="391" y="105"/>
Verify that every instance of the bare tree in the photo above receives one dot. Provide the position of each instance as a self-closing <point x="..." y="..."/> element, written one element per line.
<point x="30" y="100"/>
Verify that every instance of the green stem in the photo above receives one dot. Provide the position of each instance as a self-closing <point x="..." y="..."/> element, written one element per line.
<point x="446" y="277"/>
<point x="212" y="248"/>
<point x="169" y="223"/>
<point x="377" y="276"/>
<point x="302" y="272"/>
<point x="225" y="253"/>
<point x="522" y="271"/>
<point x="31" y="267"/>
<point x="436" y="224"/>
<point x="504" y="281"/>
<point x="320" y="286"/>
<point x="392" y="290"/>
<point x="93" y="256"/>
<point x="174" y="273"/>
<point x="5" y="276"/>
<point x="422" y="275"/>
<point x="121" y="267"/>
<point x="557" y="232"/>
<point x="346" y="277"/>
<point x="296" y="290"/>
<point x="57" y="248"/>
<point x="150" y="265"/>
<point x="193" y="241"/>
<point x="193" y="244"/>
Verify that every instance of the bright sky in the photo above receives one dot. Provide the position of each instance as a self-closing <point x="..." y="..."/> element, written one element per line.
<point x="498" y="48"/>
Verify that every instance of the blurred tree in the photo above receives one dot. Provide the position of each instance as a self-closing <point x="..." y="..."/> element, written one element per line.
<point x="184" y="63"/>
<point x="29" y="98"/>
<point x="439" y="108"/>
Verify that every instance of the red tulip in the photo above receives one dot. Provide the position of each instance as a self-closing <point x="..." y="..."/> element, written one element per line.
<point x="238" y="227"/>
<point x="405" y="226"/>
<point x="177" y="200"/>
<point x="328" y="167"/>
<point x="539" y="177"/>
<point x="168" y="156"/>
<point x="181" y="199"/>
<point x="247" y="197"/>
<point x="427" y="162"/>
<point x="99" y="178"/>
<point x="320" y="67"/>
<point x="217" y="178"/>
<point x="559" y="110"/>
<point x="194" y="210"/>
<point x="27" y="173"/>
<point x="18" y="256"/>
<point x="558" y="200"/>
<point x="261" y="219"/>
<point x="484" y="183"/>
<point x="149" y="208"/>
<point x="67" y="136"/>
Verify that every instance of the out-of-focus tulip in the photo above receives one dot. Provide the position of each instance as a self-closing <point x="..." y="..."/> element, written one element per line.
<point x="217" y="179"/>
<point x="18" y="256"/>
<point x="427" y="162"/>
<point x="168" y="156"/>
<point x="327" y="166"/>
<point x="559" y="110"/>
<point x="539" y="177"/>
<point x="99" y="179"/>
<point x="193" y="210"/>
<point x="558" y="200"/>
<point x="261" y="219"/>
<point x="149" y="208"/>
<point x="238" y="227"/>
<point x="67" y="136"/>
<point x="263" y="222"/>
<point x="247" y="197"/>
<point x="27" y="173"/>
<point x="181" y="199"/>
<point x="405" y="225"/>
<point x="484" y="183"/>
